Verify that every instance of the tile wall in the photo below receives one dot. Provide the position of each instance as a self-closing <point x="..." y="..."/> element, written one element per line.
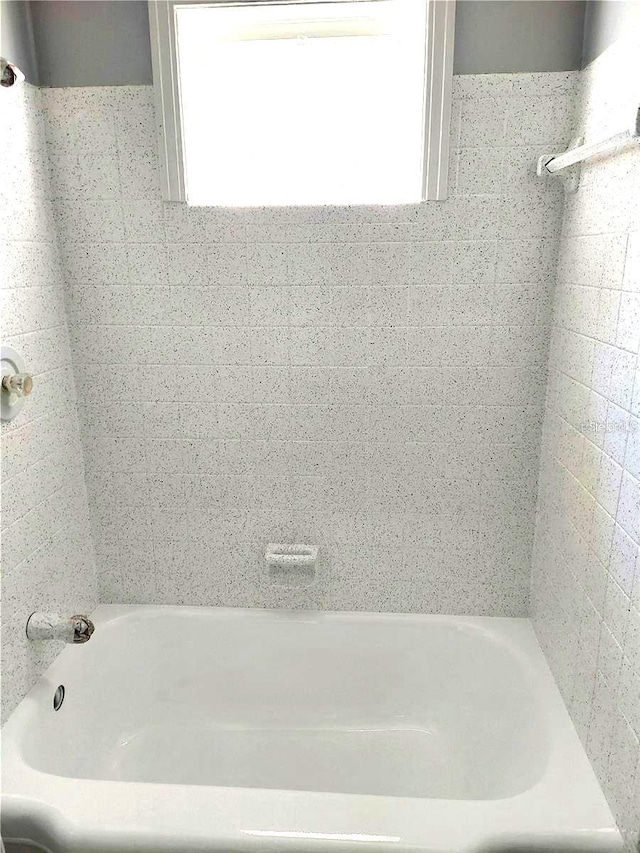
<point x="586" y="575"/>
<point x="370" y="380"/>
<point x="366" y="379"/>
<point x="47" y="558"/>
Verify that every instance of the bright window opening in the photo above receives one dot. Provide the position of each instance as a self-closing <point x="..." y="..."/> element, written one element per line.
<point x="302" y="103"/>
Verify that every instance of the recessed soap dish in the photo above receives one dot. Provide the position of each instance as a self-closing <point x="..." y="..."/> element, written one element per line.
<point x="291" y="564"/>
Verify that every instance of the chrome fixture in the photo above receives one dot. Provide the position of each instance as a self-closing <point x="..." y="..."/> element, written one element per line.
<point x="50" y="626"/>
<point x="10" y="74"/>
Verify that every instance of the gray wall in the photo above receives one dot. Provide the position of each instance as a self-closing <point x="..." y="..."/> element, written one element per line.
<point x="106" y="42"/>
<point x="525" y="35"/>
<point x="92" y="42"/>
<point x="16" y="38"/>
<point x="605" y="22"/>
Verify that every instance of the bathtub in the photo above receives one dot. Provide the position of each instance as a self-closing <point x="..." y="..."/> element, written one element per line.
<point x="188" y="730"/>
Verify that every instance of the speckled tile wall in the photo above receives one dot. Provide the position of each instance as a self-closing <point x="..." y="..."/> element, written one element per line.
<point x="366" y="379"/>
<point x="586" y="577"/>
<point x="47" y="557"/>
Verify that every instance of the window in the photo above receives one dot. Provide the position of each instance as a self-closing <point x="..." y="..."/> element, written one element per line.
<point x="303" y="103"/>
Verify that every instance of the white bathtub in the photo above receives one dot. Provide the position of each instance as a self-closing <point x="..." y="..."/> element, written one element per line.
<point x="196" y="729"/>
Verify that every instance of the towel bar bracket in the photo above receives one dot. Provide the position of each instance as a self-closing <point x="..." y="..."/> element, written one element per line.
<point x="570" y="175"/>
<point x="568" y="162"/>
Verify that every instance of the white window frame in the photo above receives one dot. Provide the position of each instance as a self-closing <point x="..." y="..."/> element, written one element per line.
<point x="439" y="76"/>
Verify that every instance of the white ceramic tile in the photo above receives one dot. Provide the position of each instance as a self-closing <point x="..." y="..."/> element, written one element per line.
<point x="589" y="479"/>
<point x="483" y="122"/>
<point x="143" y="221"/>
<point x="480" y="171"/>
<point x="139" y="175"/>
<point x="540" y="120"/>
<point x="48" y="560"/>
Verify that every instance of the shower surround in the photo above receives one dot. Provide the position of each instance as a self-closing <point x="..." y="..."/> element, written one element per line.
<point x="369" y="380"/>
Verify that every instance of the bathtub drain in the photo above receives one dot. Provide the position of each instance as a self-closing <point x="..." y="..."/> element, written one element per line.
<point x="58" y="698"/>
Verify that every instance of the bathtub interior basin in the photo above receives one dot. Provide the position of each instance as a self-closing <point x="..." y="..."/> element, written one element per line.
<point x="455" y="720"/>
<point x="437" y="710"/>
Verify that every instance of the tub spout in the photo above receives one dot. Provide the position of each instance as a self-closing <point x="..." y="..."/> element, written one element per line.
<point x="50" y="626"/>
